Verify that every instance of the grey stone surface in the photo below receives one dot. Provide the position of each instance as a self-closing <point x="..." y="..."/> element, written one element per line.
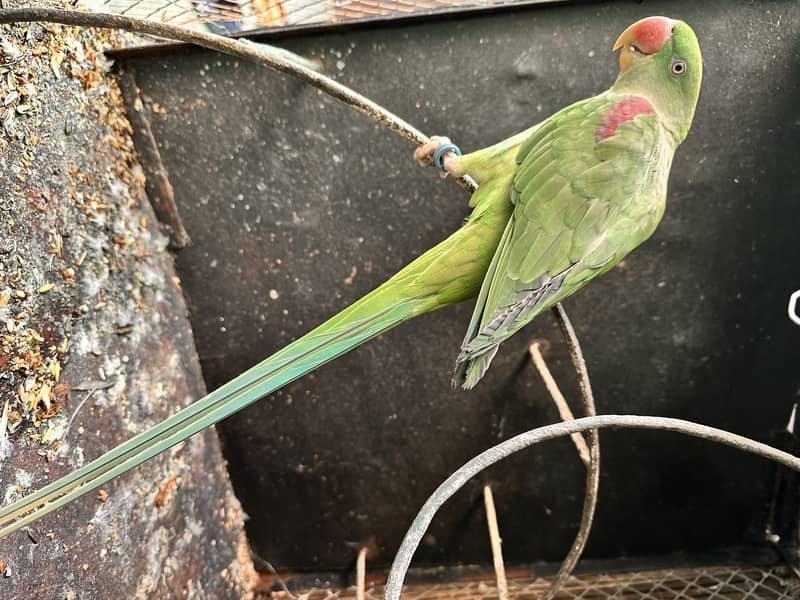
<point x="96" y="346"/>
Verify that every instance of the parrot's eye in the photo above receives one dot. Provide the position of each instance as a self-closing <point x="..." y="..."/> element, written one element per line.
<point x="678" y="67"/>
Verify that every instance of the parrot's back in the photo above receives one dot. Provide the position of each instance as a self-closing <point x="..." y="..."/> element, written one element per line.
<point x="590" y="186"/>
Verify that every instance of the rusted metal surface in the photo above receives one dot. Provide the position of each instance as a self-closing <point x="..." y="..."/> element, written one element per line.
<point x="719" y="583"/>
<point x="95" y="345"/>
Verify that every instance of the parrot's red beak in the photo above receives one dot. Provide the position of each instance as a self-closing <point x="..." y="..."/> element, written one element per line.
<point x="647" y="36"/>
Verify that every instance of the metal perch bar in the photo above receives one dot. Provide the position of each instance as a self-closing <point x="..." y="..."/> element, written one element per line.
<point x="496" y="453"/>
<point x="593" y="473"/>
<point x="240" y="48"/>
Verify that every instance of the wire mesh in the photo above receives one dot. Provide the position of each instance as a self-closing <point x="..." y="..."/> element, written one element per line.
<point x="230" y="16"/>
<point x="717" y="583"/>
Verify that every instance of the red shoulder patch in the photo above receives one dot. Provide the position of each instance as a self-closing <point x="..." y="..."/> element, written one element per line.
<point x="624" y="110"/>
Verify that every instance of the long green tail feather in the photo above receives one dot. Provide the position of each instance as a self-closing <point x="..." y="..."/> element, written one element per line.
<point x="340" y="334"/>
<point x="450" y="272"/>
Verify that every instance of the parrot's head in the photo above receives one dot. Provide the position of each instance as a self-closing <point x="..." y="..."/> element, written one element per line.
<point x="660" y="59"/>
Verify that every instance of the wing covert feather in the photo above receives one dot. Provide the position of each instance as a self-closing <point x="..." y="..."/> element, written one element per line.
<point x="569" y="191"/>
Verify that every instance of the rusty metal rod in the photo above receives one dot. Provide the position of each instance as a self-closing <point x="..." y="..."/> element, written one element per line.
<point x="243" y="49"/>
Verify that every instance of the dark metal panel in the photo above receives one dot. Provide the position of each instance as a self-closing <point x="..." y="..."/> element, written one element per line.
<point x="296" y="206"/>
<point x="412" y="13"/>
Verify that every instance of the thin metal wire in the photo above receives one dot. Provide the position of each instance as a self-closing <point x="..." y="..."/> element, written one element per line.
<point x="593" y="471"/>
<point x="261" y="54"/>
<point x="710" y="583"/>
<point x="457" y="480"/>
<point x="240" y="49"/>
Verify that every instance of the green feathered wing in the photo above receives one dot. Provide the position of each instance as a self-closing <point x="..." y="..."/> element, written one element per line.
<point x="580" y="205"/>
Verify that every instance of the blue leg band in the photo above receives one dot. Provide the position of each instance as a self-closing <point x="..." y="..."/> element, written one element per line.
<point x="437" y="156"/>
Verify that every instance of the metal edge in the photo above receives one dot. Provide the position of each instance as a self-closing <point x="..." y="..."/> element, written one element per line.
<point x="294" y="31"/>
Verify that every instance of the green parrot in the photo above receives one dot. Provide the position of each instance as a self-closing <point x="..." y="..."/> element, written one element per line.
<point x="556" y="206"/>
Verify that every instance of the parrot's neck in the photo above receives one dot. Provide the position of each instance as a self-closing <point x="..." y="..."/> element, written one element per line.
<point x="674" y="113"/>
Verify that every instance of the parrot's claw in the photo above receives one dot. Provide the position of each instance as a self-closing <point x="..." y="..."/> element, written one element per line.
<point x="425" y="153"/>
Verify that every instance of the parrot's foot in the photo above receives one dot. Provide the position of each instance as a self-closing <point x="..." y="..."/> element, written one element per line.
<point x="446" y="150"/>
